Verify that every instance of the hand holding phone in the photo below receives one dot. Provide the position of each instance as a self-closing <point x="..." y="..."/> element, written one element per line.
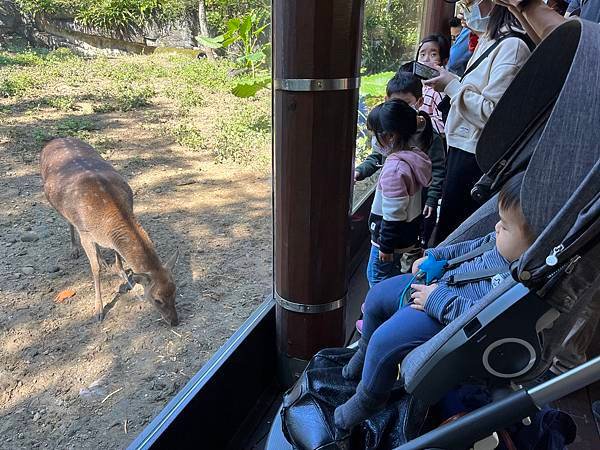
<point x="424" y="72"/>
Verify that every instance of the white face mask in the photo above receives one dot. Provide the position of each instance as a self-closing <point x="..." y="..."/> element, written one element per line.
<point x="474" y="20"/>
<point x="379" y="148"/>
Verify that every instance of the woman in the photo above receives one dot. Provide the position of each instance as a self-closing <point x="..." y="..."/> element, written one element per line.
<point x="472" y="100"/>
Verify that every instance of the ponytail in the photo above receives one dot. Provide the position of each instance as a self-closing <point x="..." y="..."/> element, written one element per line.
<point x="424" y="135"/>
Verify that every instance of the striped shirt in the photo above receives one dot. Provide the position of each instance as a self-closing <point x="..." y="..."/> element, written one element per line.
<point x="431" y="99"/>
<point x="446" y="303"/>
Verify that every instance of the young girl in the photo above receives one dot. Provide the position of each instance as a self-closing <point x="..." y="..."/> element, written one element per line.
<point x="396" y="211"/>
<point x="390" y="332"/>
<point x="433" y="50"/>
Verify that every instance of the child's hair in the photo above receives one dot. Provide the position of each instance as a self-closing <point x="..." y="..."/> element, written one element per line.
<point x="509" y="198"/>
<point x="442" y="43"/>
<point x="397" y="117"/>
<point x="405" y="82"/>
<point x="455" y="22"/>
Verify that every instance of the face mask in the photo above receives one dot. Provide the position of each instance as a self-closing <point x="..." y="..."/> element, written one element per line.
<point x="379" y="148"/>
<point x="475" y="21"/>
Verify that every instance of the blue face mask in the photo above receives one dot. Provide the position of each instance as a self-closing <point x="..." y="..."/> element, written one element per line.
<point x="475" y="21"/>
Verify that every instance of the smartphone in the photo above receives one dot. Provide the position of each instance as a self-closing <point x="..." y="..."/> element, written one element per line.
<point x="424" y="72"/>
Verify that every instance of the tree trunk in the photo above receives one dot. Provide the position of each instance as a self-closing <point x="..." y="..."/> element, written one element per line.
<point x="210" y="54"/>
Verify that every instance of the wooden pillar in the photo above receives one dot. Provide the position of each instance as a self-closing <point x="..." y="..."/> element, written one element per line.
<point x="316" y="67"/>
<point x="436" y="14"/>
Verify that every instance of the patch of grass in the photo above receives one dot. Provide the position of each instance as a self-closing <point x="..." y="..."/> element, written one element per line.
<point x="124" y="97"/>
<point x="16" y="84"/>
<point x="26" y="58"/>
<point x="41" y="136"/>
<point x="74" y="126"/>
<point x="187" y="96"/>
<point x="188" y="136"/>
<point x="132" y="97"/>
<point x="202" y="73"/>
<point x="244" y="136"/>
<point x="61" y="103"/>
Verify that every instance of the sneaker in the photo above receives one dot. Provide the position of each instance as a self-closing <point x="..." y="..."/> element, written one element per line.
<point x="359" y="326"/>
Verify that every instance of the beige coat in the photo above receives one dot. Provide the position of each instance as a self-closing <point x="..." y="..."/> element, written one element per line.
<point x="473" y="100"/>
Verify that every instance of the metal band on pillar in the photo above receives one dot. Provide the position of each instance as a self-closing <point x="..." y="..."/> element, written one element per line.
<point x="309" y="309"/>
<point x="315" y="84"/>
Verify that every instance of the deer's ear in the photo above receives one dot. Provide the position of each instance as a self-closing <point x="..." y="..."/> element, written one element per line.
<point x="141" y="278"/>
<point x="172" y="260"/>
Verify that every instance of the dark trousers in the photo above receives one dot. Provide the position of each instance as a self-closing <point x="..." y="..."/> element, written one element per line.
<point x="391" y="332"/>
<point x="462" y="172"/>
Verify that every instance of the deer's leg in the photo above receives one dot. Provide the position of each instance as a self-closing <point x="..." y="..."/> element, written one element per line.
<point x="91" y="250"/>
<point x="119" y="263"/>
<point x="74" y="244"/>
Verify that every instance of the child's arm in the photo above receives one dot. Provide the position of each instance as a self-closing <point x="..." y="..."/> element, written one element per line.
<point x="456" y="250"/>
<point x="444" y="305"/>
<point x="438" y="171"/>
<point x="369" y="166"/>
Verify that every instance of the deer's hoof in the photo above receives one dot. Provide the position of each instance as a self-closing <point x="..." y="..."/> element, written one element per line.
<point x="100" y="317"/>
<point x="75" y="253"/>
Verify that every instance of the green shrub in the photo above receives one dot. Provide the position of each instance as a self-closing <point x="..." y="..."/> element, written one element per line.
<point x="109" y="14"/>
<point x="390" y="33"/>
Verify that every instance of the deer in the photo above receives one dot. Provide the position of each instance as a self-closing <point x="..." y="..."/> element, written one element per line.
<point x="97" y="203"/>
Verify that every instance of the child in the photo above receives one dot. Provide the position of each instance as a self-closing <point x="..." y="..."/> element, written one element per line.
<point x="406" y="86"/>
<point x="390" y="332"/>
<point x="433" y="50"/>
<point x="396" y="210"/>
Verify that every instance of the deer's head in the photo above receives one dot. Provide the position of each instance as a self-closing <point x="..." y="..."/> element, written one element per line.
<point x="159" y="289"/>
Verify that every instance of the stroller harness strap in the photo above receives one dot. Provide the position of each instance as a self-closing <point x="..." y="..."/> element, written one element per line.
<point x="477" y="275"/>
<point x="455" y="262"/>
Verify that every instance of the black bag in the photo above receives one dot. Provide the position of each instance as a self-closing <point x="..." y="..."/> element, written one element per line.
<point x="307" y="411"/>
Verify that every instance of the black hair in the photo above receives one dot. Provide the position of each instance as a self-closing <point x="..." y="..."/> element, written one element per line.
<point x="442" y="43"/>
<point x="502" y="22"/>
<point x="509" y="198"/>
<point x="405" y="82"/>
<point x="455" y="22"/>
<point x="397" y="117"/>
<point x="510" y="193"/>
<point x="406" y="67"/>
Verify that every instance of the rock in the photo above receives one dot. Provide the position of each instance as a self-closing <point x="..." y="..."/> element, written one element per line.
<point x="28" y="270"/>
<point x="36" y="417"/>
<point x="55" y="275"/>
<point x="53" y="269"/>
<point x="12" y="240"/>
<point x="29" y="237"/>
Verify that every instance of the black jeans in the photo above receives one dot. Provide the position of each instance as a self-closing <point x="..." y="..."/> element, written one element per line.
<point x="462" y="172"/>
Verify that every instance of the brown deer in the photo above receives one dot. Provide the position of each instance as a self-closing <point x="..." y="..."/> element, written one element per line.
<point x="97" y="202"/>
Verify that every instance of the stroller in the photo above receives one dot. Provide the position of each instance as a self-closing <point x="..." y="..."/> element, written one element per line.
<point x="512" y="335"/>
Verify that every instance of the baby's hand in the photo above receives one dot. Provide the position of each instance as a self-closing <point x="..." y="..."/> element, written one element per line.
<point x="421" y="294"/>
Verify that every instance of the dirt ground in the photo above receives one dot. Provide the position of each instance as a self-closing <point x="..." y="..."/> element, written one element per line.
<point x="67" y="381"/>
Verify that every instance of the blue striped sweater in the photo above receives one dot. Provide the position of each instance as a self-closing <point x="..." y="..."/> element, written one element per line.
<point x="446" y="303"/>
